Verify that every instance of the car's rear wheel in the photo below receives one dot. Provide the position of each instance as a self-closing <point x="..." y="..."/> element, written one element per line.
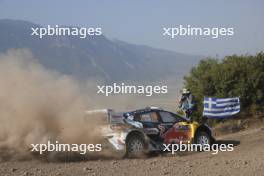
<point x="135" y="147"/>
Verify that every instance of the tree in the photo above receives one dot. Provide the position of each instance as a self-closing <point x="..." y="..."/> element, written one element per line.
<point x="234" y="76"/>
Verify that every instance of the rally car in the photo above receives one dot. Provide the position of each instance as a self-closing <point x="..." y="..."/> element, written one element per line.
<point x="146" y="130"/>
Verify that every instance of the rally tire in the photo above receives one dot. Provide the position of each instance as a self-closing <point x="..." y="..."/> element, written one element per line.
<point x="203" y="138"/>
<point x="135" y="147"/>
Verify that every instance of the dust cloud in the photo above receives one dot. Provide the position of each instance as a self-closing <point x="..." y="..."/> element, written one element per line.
<point x="37" y="105"/>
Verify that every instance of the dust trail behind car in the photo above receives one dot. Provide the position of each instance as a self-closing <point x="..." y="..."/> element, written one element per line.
<point x="37" y="105"/>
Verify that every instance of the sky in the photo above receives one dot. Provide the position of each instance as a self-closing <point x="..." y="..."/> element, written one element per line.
<point x="142" y="21"/>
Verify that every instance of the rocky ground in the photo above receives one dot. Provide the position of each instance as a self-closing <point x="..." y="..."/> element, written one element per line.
<point x="246" y="159"/>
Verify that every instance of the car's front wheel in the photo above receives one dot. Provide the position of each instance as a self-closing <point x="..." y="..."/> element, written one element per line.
<point x="135" y="147"/>
<point x="203" y="139"/>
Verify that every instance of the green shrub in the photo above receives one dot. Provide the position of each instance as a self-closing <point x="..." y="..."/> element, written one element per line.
<point x="234" y="76"/>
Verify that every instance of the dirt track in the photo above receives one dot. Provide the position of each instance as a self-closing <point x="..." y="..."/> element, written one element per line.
<point x="246" y="159"/>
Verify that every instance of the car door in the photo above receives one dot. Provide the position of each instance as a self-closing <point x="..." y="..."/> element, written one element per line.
<point x="151" y="122"/>
<point x="176" y="129"/>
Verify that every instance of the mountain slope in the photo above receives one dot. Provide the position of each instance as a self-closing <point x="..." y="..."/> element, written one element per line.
<point x="95" y="56"/>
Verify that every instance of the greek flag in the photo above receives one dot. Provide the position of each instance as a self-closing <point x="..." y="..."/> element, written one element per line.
<point x="221" y="107"/>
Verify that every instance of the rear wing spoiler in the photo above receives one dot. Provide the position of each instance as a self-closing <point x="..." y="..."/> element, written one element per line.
<point x="110" y="115"/>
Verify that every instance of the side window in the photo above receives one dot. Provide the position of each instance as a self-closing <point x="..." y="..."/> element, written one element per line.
<point x="149" y="117"/>
<point x="145" y="117"/>
<point x="137" y="117"/>
<point x="168" y="117"/>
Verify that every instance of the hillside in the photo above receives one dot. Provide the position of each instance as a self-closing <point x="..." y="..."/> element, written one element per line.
<point x="99" y="57"/>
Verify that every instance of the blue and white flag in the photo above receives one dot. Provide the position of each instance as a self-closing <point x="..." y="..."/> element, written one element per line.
<point x="221" y="107"/>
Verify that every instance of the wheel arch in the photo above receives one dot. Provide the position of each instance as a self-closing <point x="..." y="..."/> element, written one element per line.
<point x="203" y="128"/>
<point x="135" y="133"/>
